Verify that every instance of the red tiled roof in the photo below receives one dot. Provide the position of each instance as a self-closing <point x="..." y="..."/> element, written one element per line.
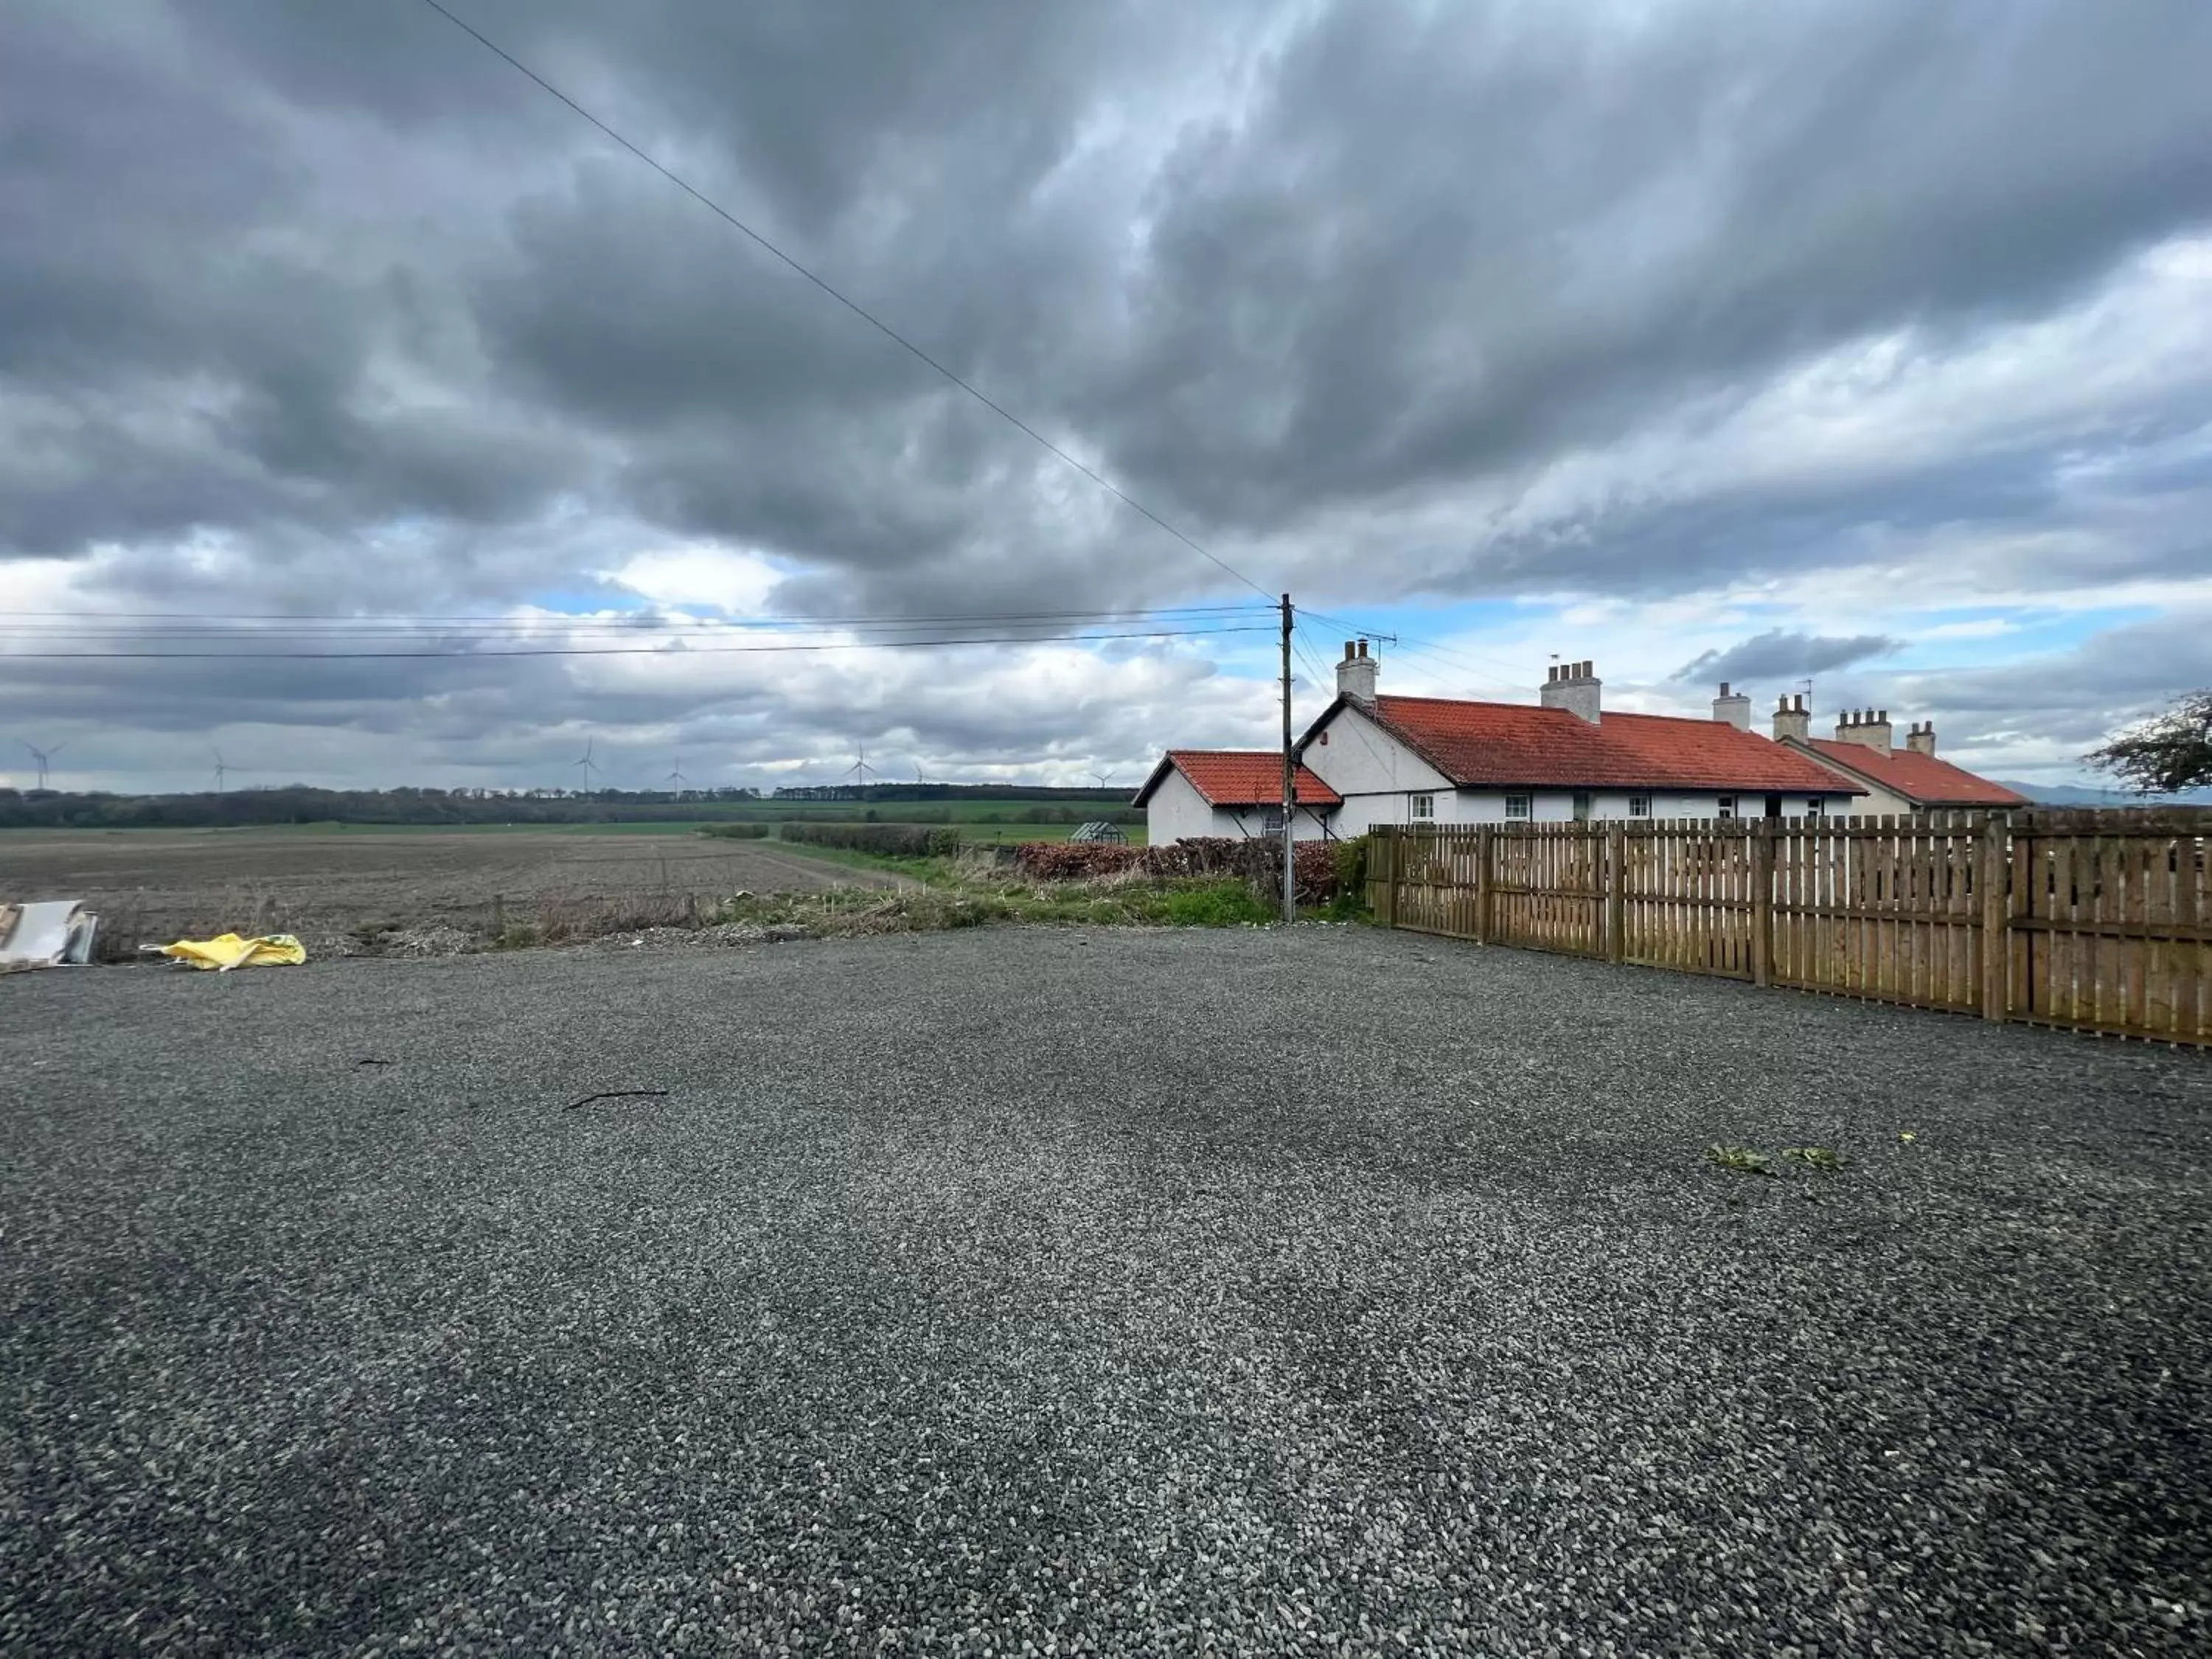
<point x="1239" y="777"/>
<point x="1921" y="779"/>
<point x="1494" y="744"/>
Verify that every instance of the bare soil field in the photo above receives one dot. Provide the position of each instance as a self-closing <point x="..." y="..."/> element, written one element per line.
<point x="360" y="889"/>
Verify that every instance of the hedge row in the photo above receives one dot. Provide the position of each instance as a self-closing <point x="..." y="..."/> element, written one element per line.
<point x="1260" y="862"/>
<point x="738" y="831"/>
<point x="909" y="840"/>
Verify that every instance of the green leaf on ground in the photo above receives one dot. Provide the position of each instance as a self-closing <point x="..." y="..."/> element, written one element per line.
<point x="1815" y="1157"/>
<point x="1741" y="1159"/>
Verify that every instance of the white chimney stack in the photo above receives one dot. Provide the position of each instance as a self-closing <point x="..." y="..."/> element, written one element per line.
<point x="1355" y="675"/>
<point x="1869" y="726"/>
<point x="1573" y="686"/>
<point x="1733" y="708"/>
<point x="1792" y="719"/>
<point x="1921" y="738"/>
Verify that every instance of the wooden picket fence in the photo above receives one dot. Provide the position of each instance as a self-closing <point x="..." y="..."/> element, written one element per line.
<point x="2094" y="921"/>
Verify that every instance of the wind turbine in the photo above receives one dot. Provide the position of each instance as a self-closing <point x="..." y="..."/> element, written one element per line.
<point x="860" y="770"/>
<point x="1105" y="778"/>
<point x="223" y="768"/>
<point x="675" y="779"/>
<point x="586" y="763"/>
<point x="43" y="756"/>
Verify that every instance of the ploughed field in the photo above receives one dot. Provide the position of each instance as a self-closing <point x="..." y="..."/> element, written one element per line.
<point x="348" y="889"/>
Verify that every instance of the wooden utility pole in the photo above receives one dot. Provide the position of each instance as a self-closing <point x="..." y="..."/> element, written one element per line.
<point x="1290" y="784"/>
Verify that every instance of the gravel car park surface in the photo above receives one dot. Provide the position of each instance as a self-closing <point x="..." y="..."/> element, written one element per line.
<point x="1335" y="1291"/>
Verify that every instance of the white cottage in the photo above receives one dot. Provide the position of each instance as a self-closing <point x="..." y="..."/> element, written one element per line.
<point x="1894" y="781"/>
<point x="1237" y="792"/>
<point x="1436" y="760"/>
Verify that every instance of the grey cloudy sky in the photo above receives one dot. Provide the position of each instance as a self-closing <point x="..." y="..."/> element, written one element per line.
<point x="1870" y="341"/>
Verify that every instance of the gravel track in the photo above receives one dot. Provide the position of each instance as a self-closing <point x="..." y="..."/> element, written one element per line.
<point x="1333" y="1293"/>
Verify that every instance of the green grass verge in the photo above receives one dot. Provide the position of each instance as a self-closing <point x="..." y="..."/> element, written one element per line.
<point x="921" y="869"/>
<point x="960" y="901"/>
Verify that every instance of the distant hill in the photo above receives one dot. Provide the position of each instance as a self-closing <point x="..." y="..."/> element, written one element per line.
<point x="2071" y="794"/>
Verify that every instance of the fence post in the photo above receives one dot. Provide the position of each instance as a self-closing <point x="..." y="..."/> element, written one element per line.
<point x="1485" y="847"/>
<point x="1397" y="869"/>
<point x="1996" y="943"/>
<point x="1762" y="903"/>
<point x="1616" y="905"/>
<point x="1382" y="875"/>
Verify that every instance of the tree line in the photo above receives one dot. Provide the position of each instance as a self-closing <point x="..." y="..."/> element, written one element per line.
<point x="58" y="809"/>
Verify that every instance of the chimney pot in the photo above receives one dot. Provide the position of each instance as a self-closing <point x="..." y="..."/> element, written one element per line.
<point x="1574" y="687"/>
<point x="1733" y="708"/>
<point x="1355" y="675"/>
<point x="1869" y="726"/>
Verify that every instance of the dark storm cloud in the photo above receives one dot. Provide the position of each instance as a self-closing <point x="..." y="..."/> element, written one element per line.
<point x="1781" y="653"/>
<point x="333" y="292"/>
<point x="1441" y="245"/>
<point x="1498" y="232"/>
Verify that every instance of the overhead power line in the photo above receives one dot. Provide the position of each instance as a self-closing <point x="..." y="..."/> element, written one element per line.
<point x="649" y="619"/>
<point x="676" y="650"/>
<point x="1451" y="655"/>
<point x="851" y="305"/>
<point x="569" y="630"/>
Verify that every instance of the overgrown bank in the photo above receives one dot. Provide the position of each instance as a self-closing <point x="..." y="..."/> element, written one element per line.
<point x="973" y="888"/>
<point x="1191" y="883"/>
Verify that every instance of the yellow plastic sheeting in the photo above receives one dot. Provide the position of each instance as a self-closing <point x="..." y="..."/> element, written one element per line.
<point x="227" y="951"/>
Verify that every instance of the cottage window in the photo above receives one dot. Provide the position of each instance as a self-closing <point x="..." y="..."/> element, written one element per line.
<point x="1639" y="806"/>
<point x="1725" y="807"/>
<point x="1815" y="807"/>
<point x="1274" y="820"/>
<point x="1423" y="808"/>
<point x="1520" y="806"/>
